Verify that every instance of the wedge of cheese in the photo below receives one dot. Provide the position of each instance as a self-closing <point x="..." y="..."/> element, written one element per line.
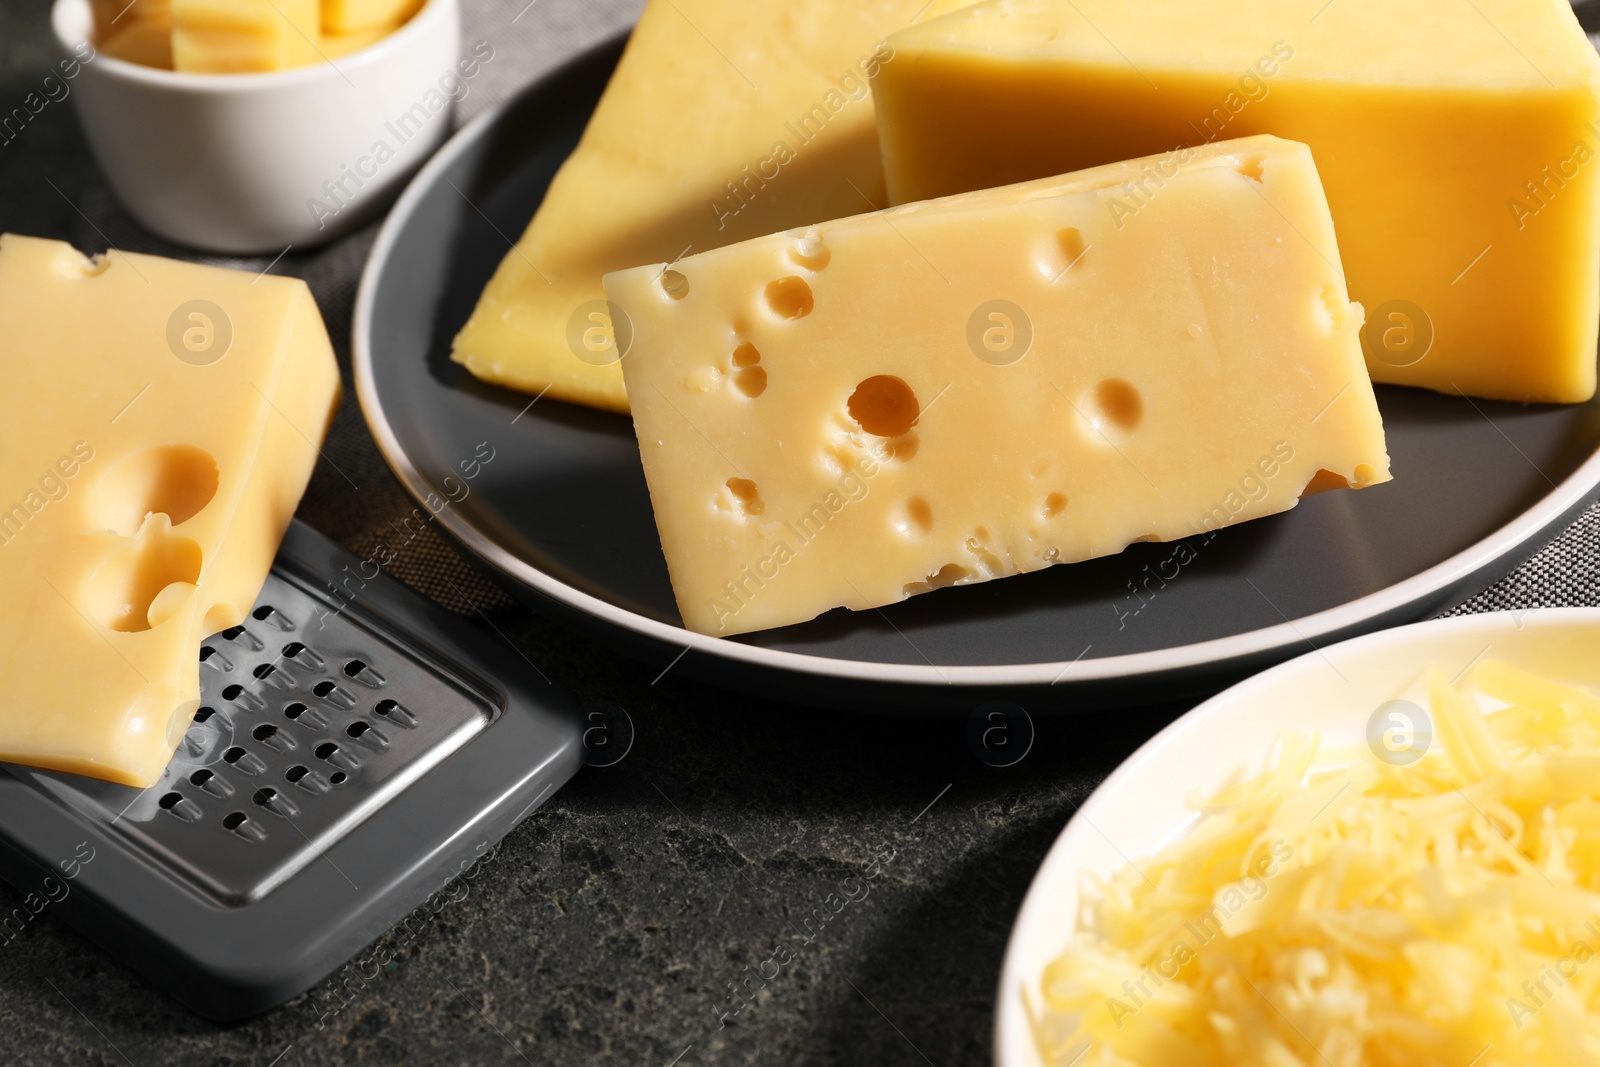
<point x="968" y="388"/>
<point x="159" y="422"/>
<point x="722" y="122"/>
<point x="1457" y="140"/>
<point x="244" y="36"/>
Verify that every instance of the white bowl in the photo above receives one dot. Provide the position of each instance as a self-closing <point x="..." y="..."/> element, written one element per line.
<point x="239" y="163"/>
<point x="1141" y="806"/>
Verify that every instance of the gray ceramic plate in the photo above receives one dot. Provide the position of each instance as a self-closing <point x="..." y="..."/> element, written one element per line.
<point x="562" y="511"/>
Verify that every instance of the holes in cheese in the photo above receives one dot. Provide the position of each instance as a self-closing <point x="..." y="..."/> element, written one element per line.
<point x="1250" y="167"/>
<point x="890" y="393"/>
<point x="131" y="585"/>
<point x="884" y="406"/>
<point x="177" y="481"/>
<point x="674" y="284"/>
<point x="746" y="496"/>
<point x="1113" y="409"/>
<point x="790" y="298"/>
<point x="1060" y="253"/>
<point x="915" y="518"/>
<point x="749" y="378"/>
<point x="809" y="252"/>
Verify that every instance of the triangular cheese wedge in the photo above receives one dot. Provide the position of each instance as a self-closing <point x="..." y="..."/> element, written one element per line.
<point x="723" y="121"/>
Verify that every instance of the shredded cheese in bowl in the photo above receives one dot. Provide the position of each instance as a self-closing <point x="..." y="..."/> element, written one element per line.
<point x="1347" y="910"/>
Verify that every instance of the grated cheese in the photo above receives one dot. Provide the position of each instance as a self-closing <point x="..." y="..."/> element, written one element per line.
<point x="1343" y="911"/>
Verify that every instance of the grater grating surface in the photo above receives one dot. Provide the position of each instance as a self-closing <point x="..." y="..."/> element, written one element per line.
<point x="253" y="869"/>
<point x="309" y="722"/>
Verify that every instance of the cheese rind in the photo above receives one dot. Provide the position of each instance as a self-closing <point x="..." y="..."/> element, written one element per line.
<point x="159" y="421"/>
<point x="244" y="36"/>
<point x="722" y="122"/>
<point x="1457" y="143"/>
<point x="968" y="388"/>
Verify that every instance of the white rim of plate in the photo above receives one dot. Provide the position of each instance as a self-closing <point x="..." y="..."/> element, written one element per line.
<point x="1283" y="636"/>
<point x="1055" y="867"/>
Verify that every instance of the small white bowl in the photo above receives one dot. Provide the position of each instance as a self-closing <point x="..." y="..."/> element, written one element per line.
<point x="253" y="163"/>
<point x="1141" y="806"/>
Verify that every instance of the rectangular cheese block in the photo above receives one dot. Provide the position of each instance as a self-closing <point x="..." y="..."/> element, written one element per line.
<point x="111" y="16"/>
<point x="244" y="36"/>
<point x="147" y="43"/>
<point x="159" y="422"/>
<point x="349" y="16"/>
<point x="339" y="45"/>
<point x="723" y="121"/>
<point x="1456" y="139"/>
<point x="964" y="389"/>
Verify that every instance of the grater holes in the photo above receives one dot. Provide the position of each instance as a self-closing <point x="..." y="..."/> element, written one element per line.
<point x="358" y="728"/>
<point x="234" y="755"/>
<point x="232" y="692"/>
<point x="170" y="801"/>
<point x="199" y="778"/>
<point x="323" y="688"/>
<point x="338" y="778"/>
<point x="327" y="750"/>
<point x="206" y="652"/>
<point x="395" y="713"/>
<point x="272" y="617"/>
<point x="295" y="773"/>
<point x="264" y="732"/>
<point x="293" y="649"/>
<point x="264" y="671"/>
<point x="204" y="713"/>
<point x="264" y="796"/>
<point x="294" y="711"/>
<point x="354" y="667"/>
<point x="234" y="819"/>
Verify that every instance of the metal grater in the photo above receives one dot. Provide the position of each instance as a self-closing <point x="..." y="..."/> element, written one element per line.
<point x="355" y="748"/>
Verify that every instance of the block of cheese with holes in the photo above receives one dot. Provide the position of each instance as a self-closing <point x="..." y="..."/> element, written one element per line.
<point x="244" y="36"/>
<point x="968" y="388"/>
<point x="1456" y="138"/>
<point x="723" y="121"/>
<point x="159" y="422"/>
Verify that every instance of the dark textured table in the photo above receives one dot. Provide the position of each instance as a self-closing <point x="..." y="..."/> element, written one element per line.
<point x="754" y="883"/>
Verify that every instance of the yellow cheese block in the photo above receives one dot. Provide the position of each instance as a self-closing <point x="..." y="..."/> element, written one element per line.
<point x="1457" y="140"/>
<point x="723" y="121"/>
<point x="339" y="45"/>
<point x="244" y="36"/>
<point x="158" y="424"/>
<point x="111" y="16"/>
<point x="147" y="43"/>
<point x="350" y="16"/>
<point x="963" y="389"/>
